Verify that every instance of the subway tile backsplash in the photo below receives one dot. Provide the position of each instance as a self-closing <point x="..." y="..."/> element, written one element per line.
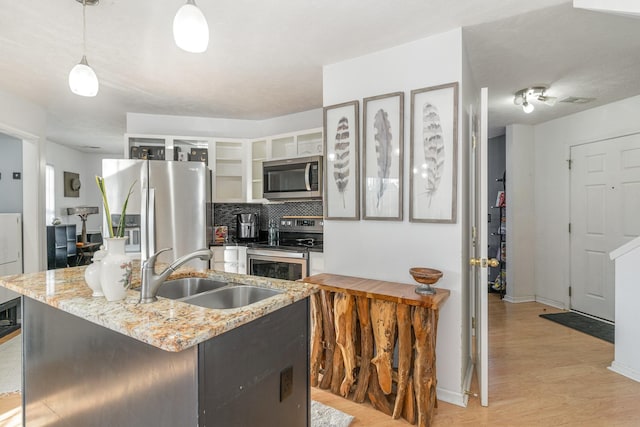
<point x="225" y="213"/>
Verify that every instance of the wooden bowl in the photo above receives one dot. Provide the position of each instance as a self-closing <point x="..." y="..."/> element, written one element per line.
<point x="427" y="276"/>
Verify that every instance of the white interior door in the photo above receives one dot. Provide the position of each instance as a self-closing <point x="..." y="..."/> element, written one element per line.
<point x="605" y="201"/>
<point x="479" y="263"/>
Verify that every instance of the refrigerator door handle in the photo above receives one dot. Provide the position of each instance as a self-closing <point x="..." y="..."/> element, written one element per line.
<point x="144" y="226"/>
<point x="151" y="219"/>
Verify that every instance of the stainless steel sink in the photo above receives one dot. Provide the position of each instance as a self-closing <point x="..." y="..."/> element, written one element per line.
<point x="232" y="297"/>
<point x="180" y="288"/>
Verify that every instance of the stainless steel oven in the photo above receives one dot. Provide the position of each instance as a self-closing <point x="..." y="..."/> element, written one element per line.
<point x="288" y="258"/>
<point x="278" y="263"/>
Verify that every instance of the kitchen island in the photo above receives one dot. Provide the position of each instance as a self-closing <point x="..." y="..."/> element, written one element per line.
<point x="91" y="362"/>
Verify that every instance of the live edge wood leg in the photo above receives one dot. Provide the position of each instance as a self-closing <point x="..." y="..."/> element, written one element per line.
<point x="405" y="351"/>
<point x="316" y="339"/>
<point x="366" y="349"/>
<point x="329" y="331"/>
<point x="345" y="316"/>
<point x="424" y="373"/>
<point x="383" y="320"/>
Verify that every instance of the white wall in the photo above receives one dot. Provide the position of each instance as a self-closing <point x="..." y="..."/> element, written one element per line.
<point x="87" y="165"/>
<point x="387" y="249"/>
<point x="627" y="334"/>
<point x="27" y="121"/>
<point x="551" y="202"/>
<point x="216" y="127"/>
<point x="10" y="162"/>
<point x="519" y="151"/>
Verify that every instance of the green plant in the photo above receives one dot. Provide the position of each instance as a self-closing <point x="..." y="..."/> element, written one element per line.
<point x="107" y="212"/>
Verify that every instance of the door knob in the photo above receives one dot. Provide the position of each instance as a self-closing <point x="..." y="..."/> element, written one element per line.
<point x="493" y="262"/>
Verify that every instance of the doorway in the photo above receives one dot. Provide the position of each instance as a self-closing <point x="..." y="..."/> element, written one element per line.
<point x="604" y="206"/>
<point x="496" y="176"/>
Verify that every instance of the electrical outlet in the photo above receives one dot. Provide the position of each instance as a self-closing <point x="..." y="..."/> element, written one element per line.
<point x="286" y="382"/>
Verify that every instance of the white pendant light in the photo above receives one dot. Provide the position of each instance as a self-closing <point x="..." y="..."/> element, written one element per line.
<point x="82" y="79"/>
<point x="190" y="28"/>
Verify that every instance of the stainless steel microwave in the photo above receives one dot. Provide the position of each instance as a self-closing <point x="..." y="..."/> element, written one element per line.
<point x="298" y="178"/>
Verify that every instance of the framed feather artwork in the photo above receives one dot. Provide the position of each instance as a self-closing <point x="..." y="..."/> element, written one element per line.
<point x="341" y="177"/>
<point x="434" y="154"/>
<point x="383" y="141"/>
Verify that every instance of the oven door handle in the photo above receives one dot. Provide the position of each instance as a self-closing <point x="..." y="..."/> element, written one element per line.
<point x="307" y="176"/>
<point x="277" y="254"/>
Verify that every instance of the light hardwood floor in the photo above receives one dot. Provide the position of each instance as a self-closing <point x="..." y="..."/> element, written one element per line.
<point x="540" y="373"/>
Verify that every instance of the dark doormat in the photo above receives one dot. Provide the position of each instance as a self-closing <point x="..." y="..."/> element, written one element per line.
<point x="588" y="325"/>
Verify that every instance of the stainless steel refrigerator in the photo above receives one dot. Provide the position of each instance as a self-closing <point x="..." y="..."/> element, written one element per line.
<point x="167" y="208"/>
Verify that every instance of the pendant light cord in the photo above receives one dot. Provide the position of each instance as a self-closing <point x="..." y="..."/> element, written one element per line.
<point x="84" y="28"/>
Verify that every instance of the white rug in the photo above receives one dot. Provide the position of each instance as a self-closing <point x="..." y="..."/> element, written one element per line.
<point x="326" y="416"/>
<point x="10" y="365"/>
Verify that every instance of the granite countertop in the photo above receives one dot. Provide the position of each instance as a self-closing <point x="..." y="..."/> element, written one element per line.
<point x="166" y="324"/>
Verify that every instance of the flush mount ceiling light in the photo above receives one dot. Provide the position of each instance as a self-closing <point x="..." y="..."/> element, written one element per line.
<point x="82" y="79"/>
<point x="523" y="97"/>
<point x="190" y="28"/>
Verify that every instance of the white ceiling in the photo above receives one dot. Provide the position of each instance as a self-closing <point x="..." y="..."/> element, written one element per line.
<point x="265" y="57"/>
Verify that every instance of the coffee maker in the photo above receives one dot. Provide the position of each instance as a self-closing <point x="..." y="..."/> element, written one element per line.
<point x="247" y="226"/>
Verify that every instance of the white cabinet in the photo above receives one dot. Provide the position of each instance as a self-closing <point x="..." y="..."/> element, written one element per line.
<point x="295" y="144"/>
<point x="236" y="163"/>
<point x="217" y="261"/>
<point x="229" y="170"/>
<point x="316" y="263"/>
<point x="258" y="155"/>
<point x="234" y="259"/>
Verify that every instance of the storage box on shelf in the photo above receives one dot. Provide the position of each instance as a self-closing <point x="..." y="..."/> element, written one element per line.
<point x="163" y="147"/>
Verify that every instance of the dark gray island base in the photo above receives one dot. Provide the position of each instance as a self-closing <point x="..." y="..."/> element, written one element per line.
<point x="77" y="373"/>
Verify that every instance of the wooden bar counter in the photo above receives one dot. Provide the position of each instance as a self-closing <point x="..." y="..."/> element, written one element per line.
<point x="357" y="324"/>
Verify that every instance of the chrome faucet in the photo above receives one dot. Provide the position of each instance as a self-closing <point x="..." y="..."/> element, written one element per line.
<point x="151" y="281"/>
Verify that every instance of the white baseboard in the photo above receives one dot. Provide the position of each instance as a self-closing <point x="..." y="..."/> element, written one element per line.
<point x="552" y="303"/>
<point x="509" y="298"/>
<point x="453" y="397"/>
<point x="625" y="370"/>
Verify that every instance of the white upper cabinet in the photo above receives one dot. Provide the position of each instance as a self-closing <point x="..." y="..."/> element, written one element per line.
<point x="295" y="144"/>
<point x="236" y="163"/>
<point x="258" y="155"/>
<point x="229" y="171"/>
